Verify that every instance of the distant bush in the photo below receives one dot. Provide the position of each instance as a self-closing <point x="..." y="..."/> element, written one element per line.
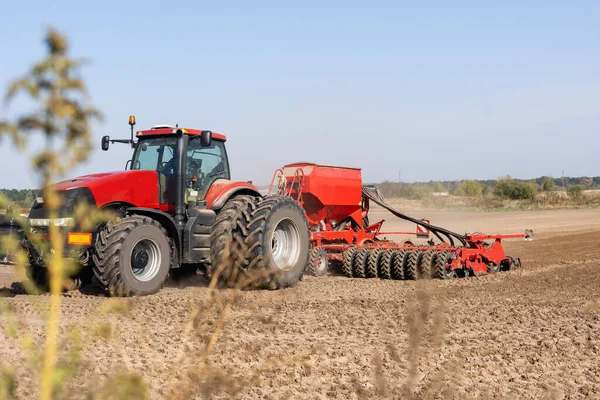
<point x="576" y="191"/>
<point x="469" y="188"/>
<point x="514" y="190"/>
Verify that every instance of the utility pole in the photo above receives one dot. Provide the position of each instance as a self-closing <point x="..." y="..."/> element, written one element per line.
<point x="563" y="179"/>
<point x="399" y="179"/>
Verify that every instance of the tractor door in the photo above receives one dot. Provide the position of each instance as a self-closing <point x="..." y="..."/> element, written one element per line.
<point x="205" y="164"/>
<point x="159" y="153"/>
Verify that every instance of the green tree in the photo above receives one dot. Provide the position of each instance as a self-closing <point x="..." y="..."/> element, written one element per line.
<point x="548" y="184"/>
<point x="418" y="192"/>
<point x="470" y="188"/>
<point x="514" y="190"/>
<point x="438" y="187"/>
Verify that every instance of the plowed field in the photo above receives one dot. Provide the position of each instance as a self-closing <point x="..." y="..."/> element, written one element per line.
<point x="530" y="333"/>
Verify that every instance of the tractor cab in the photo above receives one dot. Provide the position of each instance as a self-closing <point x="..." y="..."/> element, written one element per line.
<point x="204" y="162"/>
<point x="157" y="149"/>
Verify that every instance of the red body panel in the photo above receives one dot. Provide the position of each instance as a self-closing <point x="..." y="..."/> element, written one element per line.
<point x="221" y="187"/>
<point x="139" y="188"/>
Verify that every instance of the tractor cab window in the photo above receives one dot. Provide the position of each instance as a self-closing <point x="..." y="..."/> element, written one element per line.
<point x="205" y="164"/>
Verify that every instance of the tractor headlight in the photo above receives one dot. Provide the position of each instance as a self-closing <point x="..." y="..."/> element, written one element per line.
<point x="47" y="222"/>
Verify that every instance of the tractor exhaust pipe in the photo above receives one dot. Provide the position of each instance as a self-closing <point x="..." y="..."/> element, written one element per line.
<point x="182" y="143"/>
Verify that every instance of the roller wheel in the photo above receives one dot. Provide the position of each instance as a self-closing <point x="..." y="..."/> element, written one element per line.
<point x="441" y="260"/>
<point x="398" y="261"/>
<point x="385" y="264"/>
<point x="360" y="263"/>
<point x="425" y="264"/>
<point x="318" y="262"/>
<point x="278" y="242"/>
<point x="348" y="261"/>
<point x="133" y="256"/>
<point x="227" y="246"/>
<point x="410" y="265"/>
<point x="373" y="262"/>
<point x="492" y="268"/>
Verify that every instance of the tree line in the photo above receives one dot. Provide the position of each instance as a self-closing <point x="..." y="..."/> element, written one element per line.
<point x="503" y="188"/>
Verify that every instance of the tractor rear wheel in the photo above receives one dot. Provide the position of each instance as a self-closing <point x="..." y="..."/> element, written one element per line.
<point x="278" y="242"/>
<point x="227" y="248"/>
<point x="132" y="257"/>
<point x="318" y="262"/>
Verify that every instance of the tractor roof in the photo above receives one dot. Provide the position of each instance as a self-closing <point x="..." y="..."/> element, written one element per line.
<point x="164" y="130"/>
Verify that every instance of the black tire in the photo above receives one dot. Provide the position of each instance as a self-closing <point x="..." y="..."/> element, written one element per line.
<point x="359" y="266"/>
<point x="425" y="264"/>
<point x="348" y="261"/>
<point x="318" y="262"/>
<point x="115" y="249"/>
<point x="39" y="276"/>
<point x="398" y="261"/>
<point x="183" y="273"/>
<point x="410" y="265"/>
<point x="284" y="217"/>
<point x="82" y="278"/>
<point x="442" y="259"/>
<point x="385" y="264"/>
<point x="227" y="242"/>
<point x="372" y="263"/>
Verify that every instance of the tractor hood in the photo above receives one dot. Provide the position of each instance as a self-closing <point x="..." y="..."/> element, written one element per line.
<point x="85" y="180"/>
<point x="138" y="188"/>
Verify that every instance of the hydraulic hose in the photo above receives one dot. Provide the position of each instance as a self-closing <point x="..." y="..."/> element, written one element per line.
<point x="375" y="196"/>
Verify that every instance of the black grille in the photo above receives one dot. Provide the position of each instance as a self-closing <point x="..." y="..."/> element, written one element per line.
<point x="71" y="198"/>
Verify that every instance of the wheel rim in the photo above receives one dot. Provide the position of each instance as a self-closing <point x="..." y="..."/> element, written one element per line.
<point x="321" y="263"/>
<point x="285" y="245"/>
<point x="145" y="260"/>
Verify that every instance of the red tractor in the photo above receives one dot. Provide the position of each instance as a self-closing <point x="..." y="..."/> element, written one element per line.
<point x="177" y="210"/>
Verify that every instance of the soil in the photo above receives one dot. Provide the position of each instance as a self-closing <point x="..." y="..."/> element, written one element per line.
<point x="529" y="333"/>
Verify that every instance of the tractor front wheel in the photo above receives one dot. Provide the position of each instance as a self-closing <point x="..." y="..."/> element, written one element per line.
<point x="132" y="256"/>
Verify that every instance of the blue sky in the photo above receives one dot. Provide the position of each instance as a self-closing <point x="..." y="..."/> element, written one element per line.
<point x="435" y="90"/>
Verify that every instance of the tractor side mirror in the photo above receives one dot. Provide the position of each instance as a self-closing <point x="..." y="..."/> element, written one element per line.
<point x="205" y="138"/>
<point x="105" y="142"/>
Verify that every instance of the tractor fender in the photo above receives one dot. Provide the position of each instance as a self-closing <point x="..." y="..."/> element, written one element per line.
<point x="164" y="219"/>
<point x="221" y="191"/>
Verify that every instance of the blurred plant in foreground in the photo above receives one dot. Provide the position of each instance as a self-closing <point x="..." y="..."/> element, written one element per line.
<point x="63" y="120"/>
